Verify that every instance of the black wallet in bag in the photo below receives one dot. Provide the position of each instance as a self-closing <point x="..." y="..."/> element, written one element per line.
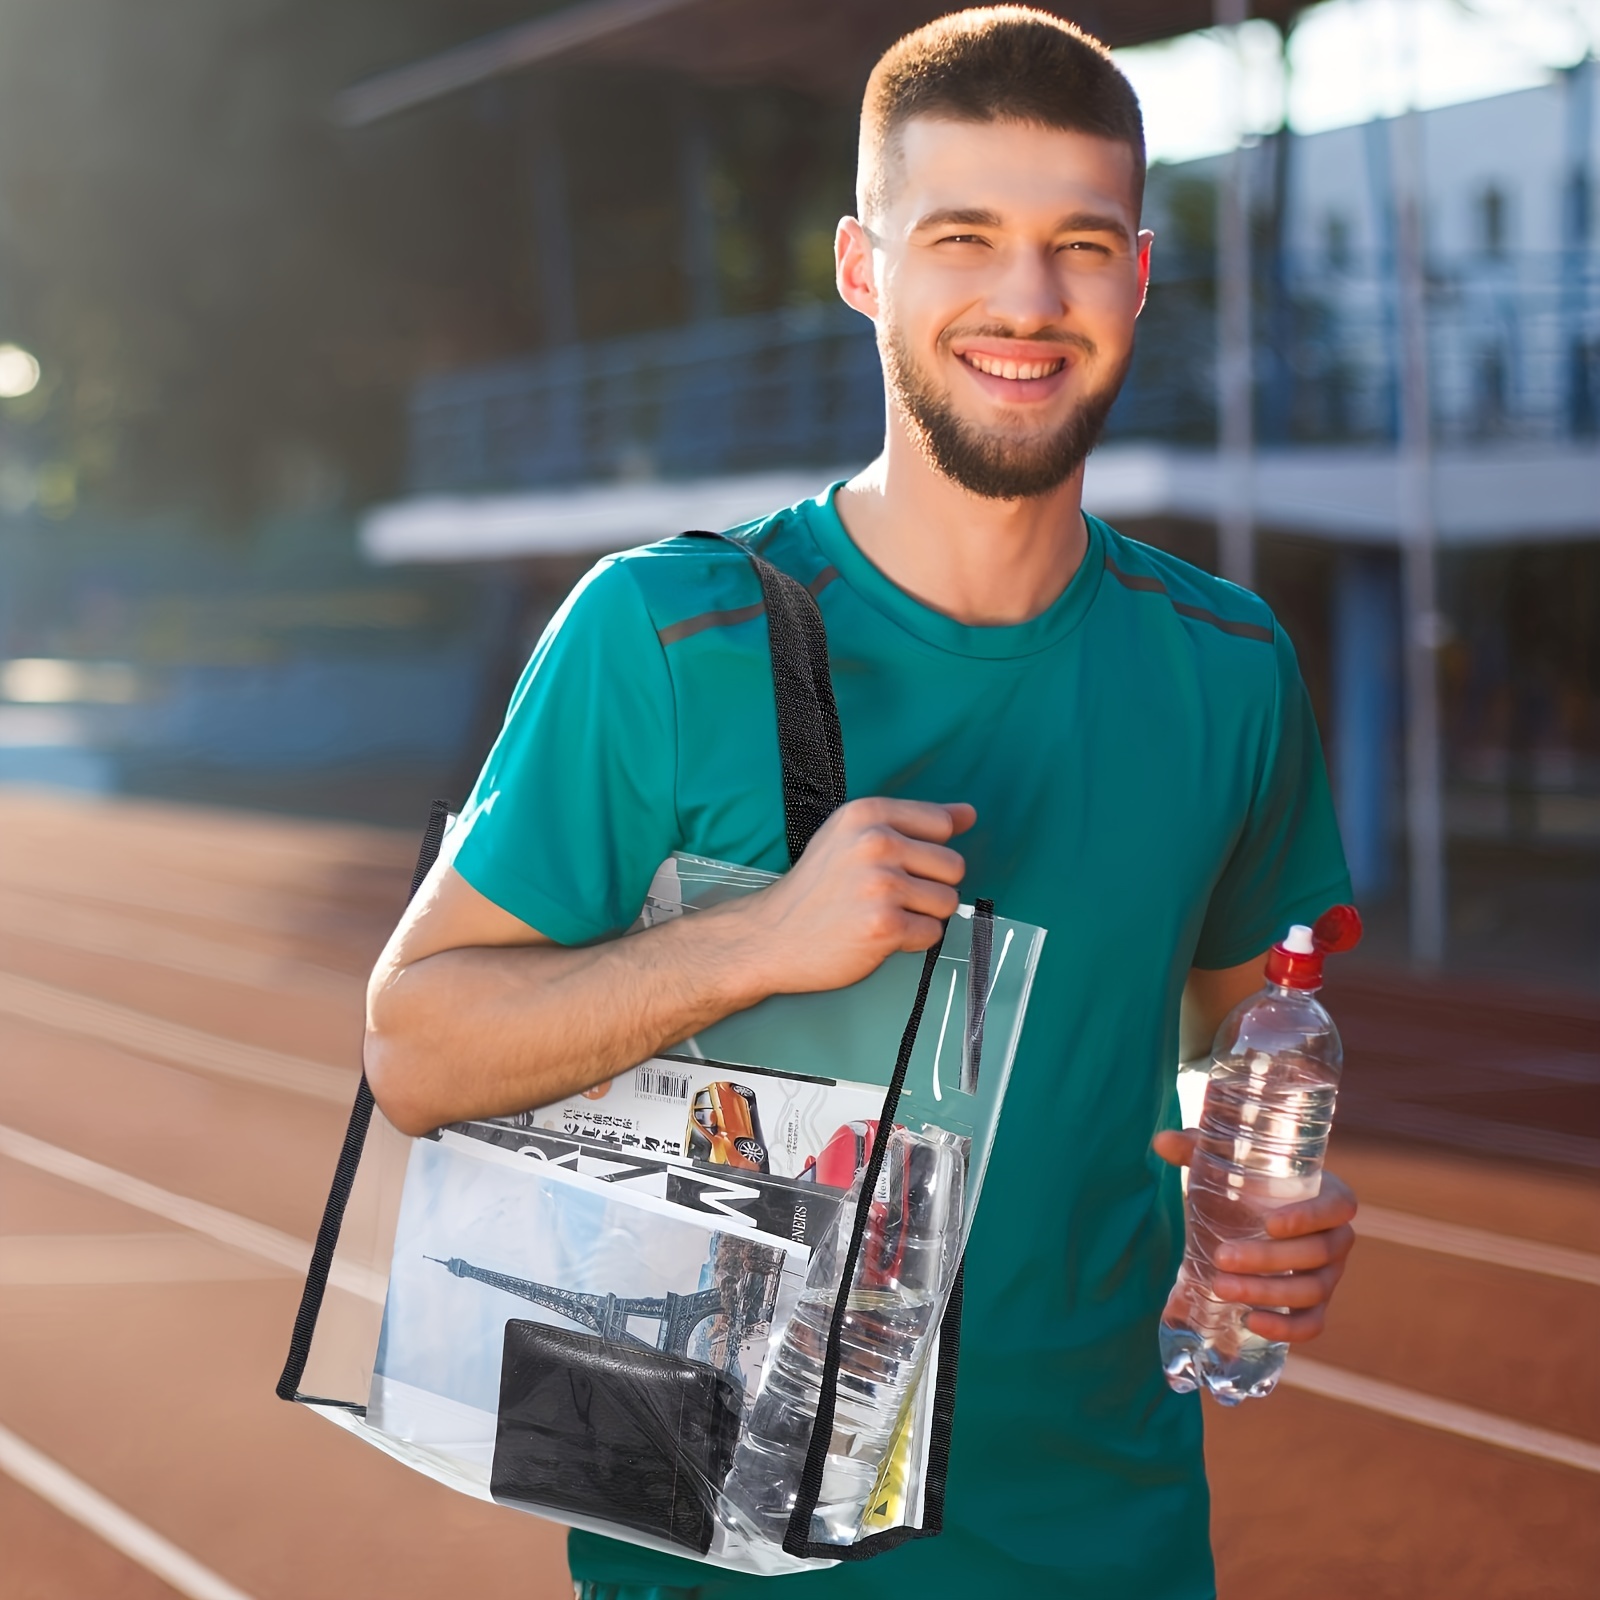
<point x="619" y="1432"/>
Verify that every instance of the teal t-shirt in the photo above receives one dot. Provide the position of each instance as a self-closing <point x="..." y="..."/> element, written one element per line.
<point x="1150" y="788"/>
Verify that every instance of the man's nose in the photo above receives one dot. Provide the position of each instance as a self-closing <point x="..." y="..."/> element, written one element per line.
<point x="1027" y="292"/>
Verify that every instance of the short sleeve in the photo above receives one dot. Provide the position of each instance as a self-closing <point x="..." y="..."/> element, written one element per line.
<point x="1288" y="863"/>
<point x="575" y="807"/>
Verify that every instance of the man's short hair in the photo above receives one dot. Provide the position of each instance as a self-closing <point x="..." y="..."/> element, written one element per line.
<point x="992" y="64"/>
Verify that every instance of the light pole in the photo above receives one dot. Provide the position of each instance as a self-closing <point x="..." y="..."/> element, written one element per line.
<point x="1419" y="538"/>
<point x="1236" y="531"/>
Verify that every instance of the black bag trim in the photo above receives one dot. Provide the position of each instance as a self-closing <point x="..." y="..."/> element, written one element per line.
<point x="940" y="1427"/>
<point x="797" y="1540"/>
<point x="811" y="749"/>
<point x="344" y="1178"/>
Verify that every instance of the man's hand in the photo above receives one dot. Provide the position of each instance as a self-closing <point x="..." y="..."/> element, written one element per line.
<point x="876" y="879"/>
<point x="1298" y="1266"/>
<point x="471" y="1012"/>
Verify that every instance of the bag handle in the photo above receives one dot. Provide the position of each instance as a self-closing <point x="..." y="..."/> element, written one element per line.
<point x="810" y="744"/>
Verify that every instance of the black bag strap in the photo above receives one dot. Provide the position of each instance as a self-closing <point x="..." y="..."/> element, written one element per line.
<point x="344" y="1178"/>
<point x="810" y="744"/>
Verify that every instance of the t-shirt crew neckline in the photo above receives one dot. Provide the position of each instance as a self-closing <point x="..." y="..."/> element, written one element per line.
<point x="1000" y="642"/>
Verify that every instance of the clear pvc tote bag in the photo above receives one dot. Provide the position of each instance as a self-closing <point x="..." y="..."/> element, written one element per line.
<point x="712" y="1306"/>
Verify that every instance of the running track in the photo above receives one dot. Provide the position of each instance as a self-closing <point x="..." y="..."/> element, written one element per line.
<point x="179" y="1019"/>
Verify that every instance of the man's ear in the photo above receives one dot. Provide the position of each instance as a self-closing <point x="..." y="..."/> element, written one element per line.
<point x="1146" y="240"/>
<point x="853" y="268"/>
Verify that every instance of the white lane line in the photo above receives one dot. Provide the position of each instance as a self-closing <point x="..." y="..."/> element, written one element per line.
<point x="176" y="1256"/>
<point x="175" y="893"/>
<point x="1476" y="1244"/>
<point x="72" y="927"/>
<point x="52" y="1482"/>
<point x="224" y="1226"/>
<point x="1334" y="1383"/>
<point x="69" y="1012"/>
<point x="1302" y="1372"/>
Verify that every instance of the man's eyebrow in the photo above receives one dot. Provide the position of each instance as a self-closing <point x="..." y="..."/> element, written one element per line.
<point x="958" y="216"/>
<point x="982" y="217"/>
<point x="1092" y="222"/>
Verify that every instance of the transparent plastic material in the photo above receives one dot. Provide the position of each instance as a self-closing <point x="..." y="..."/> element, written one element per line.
<point x="899" y="1289"/>
<point x="854" y="1033"/>
<point x="1263" y="1134"/>
<point x="567" y="1312"/>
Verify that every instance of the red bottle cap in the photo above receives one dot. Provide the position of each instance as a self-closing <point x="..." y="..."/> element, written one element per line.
<point x="1296" y="962"/>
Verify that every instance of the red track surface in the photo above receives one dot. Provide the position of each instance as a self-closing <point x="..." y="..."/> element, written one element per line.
<point x="142" y="1358"/>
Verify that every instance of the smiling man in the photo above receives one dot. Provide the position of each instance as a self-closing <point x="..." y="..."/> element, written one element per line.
<point x="1105" y="741"/>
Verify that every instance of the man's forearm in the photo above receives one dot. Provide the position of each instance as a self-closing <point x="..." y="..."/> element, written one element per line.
<point x="492" y="1030"/>
<point x="472" y="1012"/>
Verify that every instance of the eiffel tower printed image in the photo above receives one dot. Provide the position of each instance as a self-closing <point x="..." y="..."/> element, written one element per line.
<point x="486" y="1237"/>
<point x="677" y="1314"/>
<point x="739" y="1302"/>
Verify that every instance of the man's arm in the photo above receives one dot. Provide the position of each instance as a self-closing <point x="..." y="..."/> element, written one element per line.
<point x="1208" y="997"/>
<point x="1302" y="1261"/>
<point x="471" y="1012"/>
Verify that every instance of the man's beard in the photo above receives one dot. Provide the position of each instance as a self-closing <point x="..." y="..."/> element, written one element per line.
<point x="994" y="465"/>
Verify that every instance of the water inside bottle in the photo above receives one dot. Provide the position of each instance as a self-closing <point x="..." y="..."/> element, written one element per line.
<point x="1263" y="1134"/>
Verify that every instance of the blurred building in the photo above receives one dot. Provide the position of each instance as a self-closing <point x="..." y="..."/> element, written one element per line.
<point x="653" y="190"/>
<point x="1512" y="311"/>
<point x="547" y="458"/>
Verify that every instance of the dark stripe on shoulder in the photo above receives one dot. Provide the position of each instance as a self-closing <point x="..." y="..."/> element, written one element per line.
<point x="1241" y="630"/>
<point x="735" y="614"/>
<point x="709" y="619"/>
<point x="1133" y="580"/>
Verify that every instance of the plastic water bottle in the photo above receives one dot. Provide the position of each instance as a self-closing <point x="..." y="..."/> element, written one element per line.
<point x="902" y="1280"/>
<point x="1263" y="1135"/>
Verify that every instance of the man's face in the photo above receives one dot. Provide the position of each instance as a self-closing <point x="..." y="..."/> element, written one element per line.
<point x="1004" y="272"/>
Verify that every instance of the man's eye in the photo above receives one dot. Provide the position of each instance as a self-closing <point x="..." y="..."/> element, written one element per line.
<point x="963" y="238"/>
<point x="1086" y="246"/>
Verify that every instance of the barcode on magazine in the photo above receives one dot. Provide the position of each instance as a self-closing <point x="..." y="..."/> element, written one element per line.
<point x="662" y="1085"/>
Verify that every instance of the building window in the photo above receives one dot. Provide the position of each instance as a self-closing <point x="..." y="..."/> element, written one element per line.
<point x="1492" y="387"/>
<point x="1336" y="240"/>
<point x="1580" y="207"/>
<point x="1492" y="221"/>
<point x="1583" y="388"/>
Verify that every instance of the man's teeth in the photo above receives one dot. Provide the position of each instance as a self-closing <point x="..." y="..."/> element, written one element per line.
<point x="1014" y="369"/>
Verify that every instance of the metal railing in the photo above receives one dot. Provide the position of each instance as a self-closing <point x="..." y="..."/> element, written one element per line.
<point x="738" y="394"/>
<point x="1514" y="349"/>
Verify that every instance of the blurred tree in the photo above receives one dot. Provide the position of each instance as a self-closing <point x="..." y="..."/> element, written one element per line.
<point x="229" y="294"/>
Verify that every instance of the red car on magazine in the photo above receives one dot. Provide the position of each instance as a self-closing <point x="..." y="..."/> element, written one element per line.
<point x="847" y="1151"/>
<point x="894" y="1207"/>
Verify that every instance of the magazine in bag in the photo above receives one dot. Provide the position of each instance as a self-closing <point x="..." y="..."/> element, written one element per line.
<point x="486" y="1236"/>
<point x="669" y="1215"/>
